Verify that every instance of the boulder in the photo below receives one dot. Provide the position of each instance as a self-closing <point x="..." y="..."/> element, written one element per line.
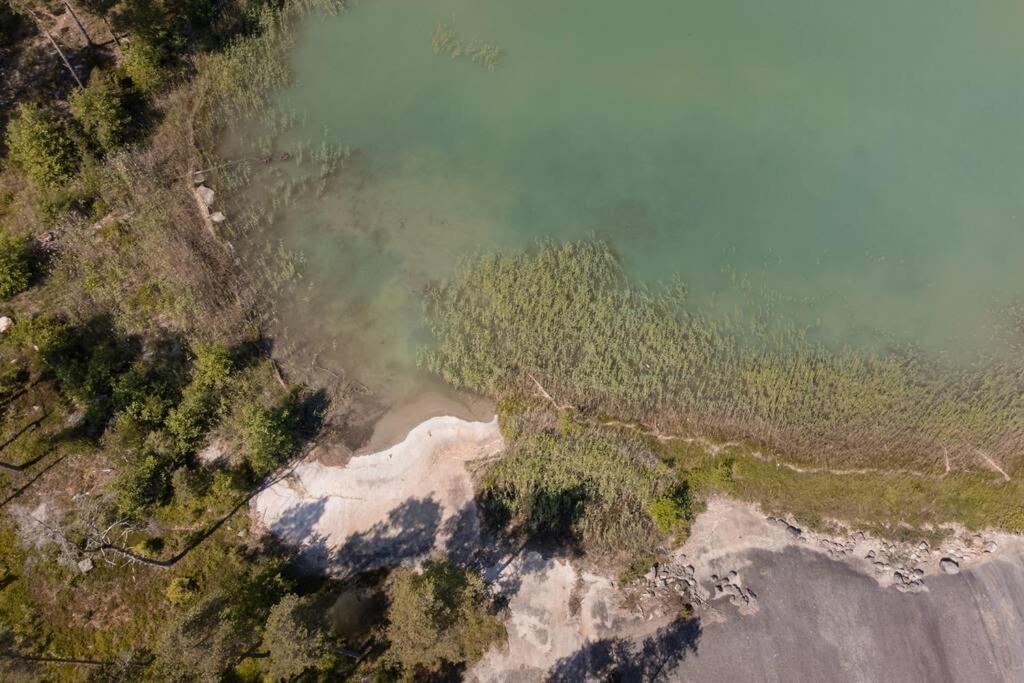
<point x="85" y="566"/>
<point x="949" y="565"/>
<point x="5" y="324"/>
<point x="206" y="194"/>
<point x="218" y="217"/>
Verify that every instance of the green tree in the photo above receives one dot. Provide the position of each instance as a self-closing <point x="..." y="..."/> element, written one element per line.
<point x="42" y="146"/>
<point x="200" y="404"/>
<point x="15" y="266"/>
<point x="268" y="434"/>
<point x="143" y="63"/>
<point x="294" y="638"/>
<point x="439" y="617"/>
<point x="100" y="109"/>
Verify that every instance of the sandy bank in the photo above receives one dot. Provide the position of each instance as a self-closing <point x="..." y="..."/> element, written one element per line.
<point x="386" y="507"/>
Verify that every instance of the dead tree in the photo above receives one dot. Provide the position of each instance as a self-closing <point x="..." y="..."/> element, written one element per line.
<point x="78" y="22"/>
<point x="35" y="17"/>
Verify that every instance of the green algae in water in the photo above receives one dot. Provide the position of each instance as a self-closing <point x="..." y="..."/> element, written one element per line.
<point x="863" y="162"/>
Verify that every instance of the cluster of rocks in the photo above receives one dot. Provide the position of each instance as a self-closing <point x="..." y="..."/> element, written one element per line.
<point x="840" y="549"/>
<point x="731" y="586"/>
<point x="666" y="587"/>
<point x="674" y="581"/>
<point x="791" y="529"/>
<point x="207" y="195"/>
<point x="907" y="563"/>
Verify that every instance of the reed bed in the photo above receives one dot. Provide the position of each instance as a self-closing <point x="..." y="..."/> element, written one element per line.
<point x="565" y="316"/>
<point x="446" y="41"/>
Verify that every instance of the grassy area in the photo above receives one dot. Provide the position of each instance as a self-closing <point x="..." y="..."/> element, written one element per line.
<point x="888" y="504"/>
<point x="566" y="317"/>
<point x="605" y="493"/>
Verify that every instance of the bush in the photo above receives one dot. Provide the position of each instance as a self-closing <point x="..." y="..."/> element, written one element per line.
<point x="668" y="512"/>
<point x="143" y="64"/>
<point x="268" y="434"/>
<point x="597" y="490"/>
<point x="440" y="617"/>
<point x="86" y="360"/>
<point x="100" y="109"/>
<point x="15" y="266"/>
<point x="200" y="404"/>
<point x="142" y="398"/>
<point x="42" y="146"/>
<point x="181" y="590"/>
<point x="141" y="483"/>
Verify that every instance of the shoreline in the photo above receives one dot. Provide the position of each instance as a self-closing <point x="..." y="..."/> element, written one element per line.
<point x="383" y="508"/>
<point x="743" y="570"/>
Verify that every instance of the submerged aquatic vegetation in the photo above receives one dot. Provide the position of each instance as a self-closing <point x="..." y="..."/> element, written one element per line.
<point x="564" y="316"/>
<point x="446" y="41"/>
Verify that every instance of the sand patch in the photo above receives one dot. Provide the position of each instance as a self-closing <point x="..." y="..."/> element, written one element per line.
<point x="387" y="507"/>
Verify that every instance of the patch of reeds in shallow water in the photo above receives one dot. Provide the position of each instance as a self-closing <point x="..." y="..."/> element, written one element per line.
<point x="565" y="316"/>
<point x="446" y="41"/>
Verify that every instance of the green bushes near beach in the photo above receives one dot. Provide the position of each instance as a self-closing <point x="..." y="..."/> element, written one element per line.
<point x="565" y="317"/>
<point x="602" y="492"/>
<point x="439" y="618"/>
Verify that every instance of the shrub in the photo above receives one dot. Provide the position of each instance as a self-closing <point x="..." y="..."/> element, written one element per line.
<point x="141" y="483"/>
<point x="86" y="360"/>
<point x="142" y="398"/>
<point x="200" y="404"/>
<point x="268" y="434"/>
<point x="143" y="64"/>
<point x="181" y="590"/>
<point x="596" y="490"/>
<point x="15" y="266"/>
<point x="100" y="109"/>
<point x="42" y="146"/>
<point x="439" y="617"/>
<point x="668" y="512"/>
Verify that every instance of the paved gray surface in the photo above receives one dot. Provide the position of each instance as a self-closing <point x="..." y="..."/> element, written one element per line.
<point x="820" y="620"/>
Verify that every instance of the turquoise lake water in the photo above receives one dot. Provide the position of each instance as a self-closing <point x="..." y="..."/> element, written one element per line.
<point x="862" y="163"/>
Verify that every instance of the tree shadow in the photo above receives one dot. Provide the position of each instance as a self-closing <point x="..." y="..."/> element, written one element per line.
<point x="410" y="531"/>
<point x="36" y="477"/>
<point x="461" y="535"/>
<point x="621" y="659"/>
<point x="548" y="521"/>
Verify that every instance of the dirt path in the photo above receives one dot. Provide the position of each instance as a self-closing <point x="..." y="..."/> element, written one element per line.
<point x="716" y="449"/>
